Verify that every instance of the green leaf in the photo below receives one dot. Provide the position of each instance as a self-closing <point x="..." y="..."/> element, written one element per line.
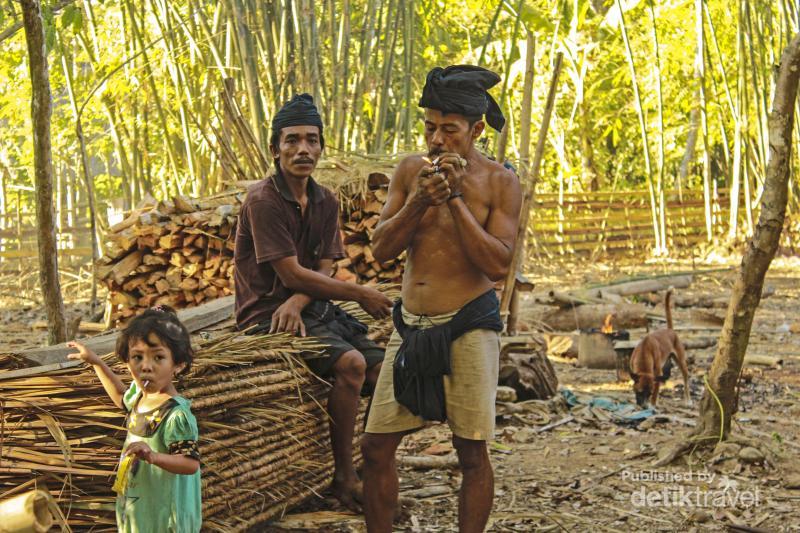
<point x="583" y="9"/>
<point x="77" y="23"/>
<point x="68" y="16"/>
<point x="535" y="20"/>
<point x="499" y="447"/>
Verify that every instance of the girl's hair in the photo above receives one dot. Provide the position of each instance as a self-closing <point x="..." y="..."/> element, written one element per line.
<point x="163" y="322"/>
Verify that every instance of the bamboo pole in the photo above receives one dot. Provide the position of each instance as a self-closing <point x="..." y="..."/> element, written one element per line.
<point x="87" y="178"/>
<point x="660" y="186"/>
<point x="643" y="127"/>
<point x="530" y="190"/>
<point x="733" y="221"/>
<point x="700" y="31"/>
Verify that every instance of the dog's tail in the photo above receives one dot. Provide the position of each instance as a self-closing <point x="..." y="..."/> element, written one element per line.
<point x="667" y="307"/>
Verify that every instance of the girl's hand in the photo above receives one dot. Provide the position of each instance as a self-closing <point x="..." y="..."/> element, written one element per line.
<point x="142" y="451"/>
<point x="84" y="354"/>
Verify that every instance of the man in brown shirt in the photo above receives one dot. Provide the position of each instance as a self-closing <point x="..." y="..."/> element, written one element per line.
<point x="286" y="242"/>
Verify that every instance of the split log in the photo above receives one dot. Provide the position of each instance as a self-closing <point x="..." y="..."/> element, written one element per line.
<point x="644" y="286"/>
<point x="717" y="301"/>
<point x="697" y="343"/>
<point x="613" y="293"/>
<point x="593" y="316"/>
<point x="762" y="360"/>
<point x="426" y="462"/>
<point x="83" y="327"/>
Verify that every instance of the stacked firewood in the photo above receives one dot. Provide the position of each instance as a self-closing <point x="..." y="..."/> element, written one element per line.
<point x="359" y="223"/>
<point x="263" y="433"/>
<point x="179" y="252"/>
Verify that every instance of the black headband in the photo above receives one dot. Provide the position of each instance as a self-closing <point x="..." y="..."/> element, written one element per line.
<point x="462" y="89"/>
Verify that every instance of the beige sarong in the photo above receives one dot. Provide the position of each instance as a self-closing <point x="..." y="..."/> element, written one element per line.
<point x="469" y="390"/>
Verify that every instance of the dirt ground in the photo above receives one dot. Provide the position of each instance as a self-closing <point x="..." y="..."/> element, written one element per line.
<point x="590" y="473"/>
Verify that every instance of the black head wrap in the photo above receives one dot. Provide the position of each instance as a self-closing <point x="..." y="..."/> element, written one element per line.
<point x="462" y="89"/>
<point x="299" y="111"/>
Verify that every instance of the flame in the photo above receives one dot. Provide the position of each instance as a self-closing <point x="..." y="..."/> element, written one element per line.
<point x="607" y="327"/>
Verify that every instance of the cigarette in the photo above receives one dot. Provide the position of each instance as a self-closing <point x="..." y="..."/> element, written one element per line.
<point x="145" y="383"/>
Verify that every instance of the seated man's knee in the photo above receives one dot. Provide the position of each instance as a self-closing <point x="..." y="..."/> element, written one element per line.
<point x="471" y="453"/>
<point x="350" y="369"/>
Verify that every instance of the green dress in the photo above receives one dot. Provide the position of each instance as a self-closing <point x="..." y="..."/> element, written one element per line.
<point x="154" y="500"/>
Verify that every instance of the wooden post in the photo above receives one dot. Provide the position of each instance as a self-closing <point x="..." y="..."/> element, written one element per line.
<point x="524" y="156"/>
<point x="529" y="188"/>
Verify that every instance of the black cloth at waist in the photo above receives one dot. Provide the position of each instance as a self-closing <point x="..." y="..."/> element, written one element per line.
<point x="424" y="355"/>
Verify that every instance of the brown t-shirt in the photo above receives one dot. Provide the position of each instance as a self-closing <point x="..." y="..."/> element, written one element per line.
<point x="271" y="226"/>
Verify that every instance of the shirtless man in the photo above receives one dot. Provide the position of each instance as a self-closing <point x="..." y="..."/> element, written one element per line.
<point x="456" y="213"/>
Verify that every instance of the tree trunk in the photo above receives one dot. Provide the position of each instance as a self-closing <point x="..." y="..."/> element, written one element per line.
<point x="761" y="248"/>
<point x="43" y="167"/>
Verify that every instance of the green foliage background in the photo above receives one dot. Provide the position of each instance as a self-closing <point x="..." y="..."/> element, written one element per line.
<point x="148" y="74"/>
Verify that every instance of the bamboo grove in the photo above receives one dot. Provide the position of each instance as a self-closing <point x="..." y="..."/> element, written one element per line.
<point x="662" y="95"/>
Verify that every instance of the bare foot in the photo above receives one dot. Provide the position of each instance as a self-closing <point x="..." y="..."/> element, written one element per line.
<point x="349" y="493"/>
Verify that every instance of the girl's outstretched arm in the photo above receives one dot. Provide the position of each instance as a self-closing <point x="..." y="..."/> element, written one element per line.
<point x="111" y="382"/>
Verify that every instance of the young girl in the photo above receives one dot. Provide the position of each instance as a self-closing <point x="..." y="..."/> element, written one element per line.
<point x="162" y="491"/>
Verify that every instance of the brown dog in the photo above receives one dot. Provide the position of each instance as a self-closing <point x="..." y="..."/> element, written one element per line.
<point x="651" y="361"/>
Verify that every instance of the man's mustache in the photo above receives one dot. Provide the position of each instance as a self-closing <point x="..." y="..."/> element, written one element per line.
<point x="303" y="161"/>
<point x="435" y="152"/>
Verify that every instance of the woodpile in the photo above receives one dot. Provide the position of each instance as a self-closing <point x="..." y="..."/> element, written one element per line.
<point x="360" y="216"/>
<point x="263" y="433"/>
<point x="179" y="252"/>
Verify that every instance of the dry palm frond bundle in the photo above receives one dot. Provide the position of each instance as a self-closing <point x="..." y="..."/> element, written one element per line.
<point x="263" y="433"/>
<point x="179" y="252"/>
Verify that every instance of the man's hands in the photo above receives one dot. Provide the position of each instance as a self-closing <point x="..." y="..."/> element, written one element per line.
<point x="375" y="303"/>
<point x="432" y="187"/>
<point x="287" y="316"/>
<point x="454" y="168"/>
<point x="440" y="178"/>
<point x="83" y="354"/>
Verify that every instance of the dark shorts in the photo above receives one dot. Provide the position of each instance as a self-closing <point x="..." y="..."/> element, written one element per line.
<point x="338" y="331"/>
